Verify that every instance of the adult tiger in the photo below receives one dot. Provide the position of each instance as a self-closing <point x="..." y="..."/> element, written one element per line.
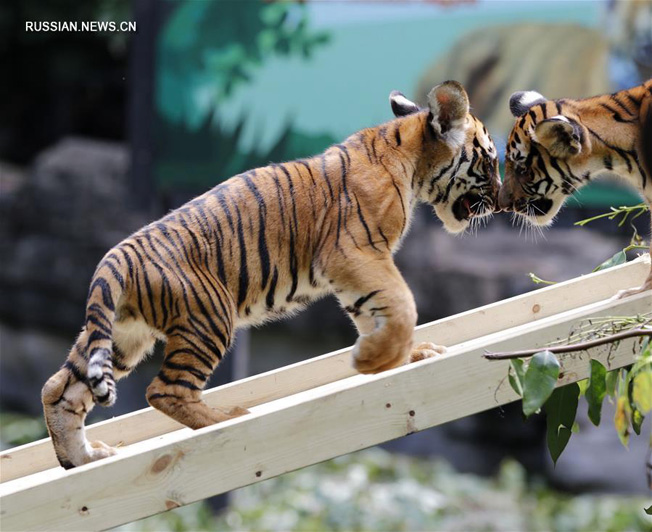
<point x="557" y="146"/>
<point x="264" y="244"/>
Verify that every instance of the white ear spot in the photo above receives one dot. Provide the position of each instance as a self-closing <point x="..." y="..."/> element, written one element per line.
<point x="401" y="100"/>
<point x="401" y="106"/>
<point x="520" y="102"/>
<point x="560" y="118"/>
<point x="528" y="98"/>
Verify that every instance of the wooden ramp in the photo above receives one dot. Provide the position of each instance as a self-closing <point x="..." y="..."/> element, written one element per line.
<point x="309" y="412"/>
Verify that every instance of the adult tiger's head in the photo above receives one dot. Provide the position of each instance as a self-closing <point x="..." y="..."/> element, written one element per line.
<point x="457" y="171"/>
<point x="546" y="158"/>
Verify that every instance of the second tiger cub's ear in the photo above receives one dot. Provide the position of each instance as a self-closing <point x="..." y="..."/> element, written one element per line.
<point x="449" y="106"/>
<point x="401" y="106"/>
<point x="560" y="136"/>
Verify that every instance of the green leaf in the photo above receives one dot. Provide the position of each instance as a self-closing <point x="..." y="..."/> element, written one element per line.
<point x="621" y="420"/>
<point x="618" y="258"/>
<point x="516" y="375"/>
<point x="583" y="384"/>
<point x="537" y="280"/>
<point x="611" y="381"/>
<point x="596" y="391"/>
<point x="642" y="390"/>
<point x="561" y="409"/>
<point x="637" y="420"/>
<point x="623" y="414"/>
<point x="539" y="381"/>
<point x="648" y="510"/>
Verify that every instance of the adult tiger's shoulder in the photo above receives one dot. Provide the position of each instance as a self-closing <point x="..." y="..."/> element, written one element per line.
<point x="264" y="244"/>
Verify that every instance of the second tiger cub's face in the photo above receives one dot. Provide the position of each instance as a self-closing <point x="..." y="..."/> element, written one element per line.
<point x="459" y="165"/>
<point x="546" y="158"/>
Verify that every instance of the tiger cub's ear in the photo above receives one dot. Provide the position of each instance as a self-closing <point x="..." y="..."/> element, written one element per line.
<point x="401" y="106"/>
<point x="449" y="107"/>
<point x="560" y="136"/>
<point x="520" y="102"/>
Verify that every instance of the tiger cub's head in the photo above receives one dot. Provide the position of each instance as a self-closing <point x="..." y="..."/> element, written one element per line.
<point x="546" y="157"/>
<point x="457" y="172"/>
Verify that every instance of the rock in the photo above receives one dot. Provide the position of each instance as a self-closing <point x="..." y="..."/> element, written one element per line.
<point x="73" y="206"/>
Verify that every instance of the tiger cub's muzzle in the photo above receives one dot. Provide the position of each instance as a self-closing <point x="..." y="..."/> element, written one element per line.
<point x="477" y="202"/>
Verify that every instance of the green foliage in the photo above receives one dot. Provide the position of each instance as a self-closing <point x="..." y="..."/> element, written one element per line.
<point x="17" y="429"/>
<point x="623" y="212"/>
<point x="208" y="49"/>
<point x="376" y="490"/>
<point x="610" y="383"/>
<point x="596" y="391"/>
<point x="622" y="419"/>
<point x="539" y="381"/>
<point x="517" y="375"/>
<point x="630" y="389"/>
<point x="618" y="258"/>
<point x="561" y="409"/>
<point x="537" y="280"/>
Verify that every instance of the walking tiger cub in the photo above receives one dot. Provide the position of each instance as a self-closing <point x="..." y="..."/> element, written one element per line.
<point x="557" y="146"/>
<point x="264" y="244"/>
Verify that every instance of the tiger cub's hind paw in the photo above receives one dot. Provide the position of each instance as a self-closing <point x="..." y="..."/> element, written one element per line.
<point x="237" y="411"/>
<point x="622" y="294"/>
<point x="425" y="350"/>
<point x="98" y="450"/>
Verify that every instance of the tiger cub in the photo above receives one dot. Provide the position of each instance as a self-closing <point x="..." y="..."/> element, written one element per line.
<point x="557" y="146"/>
<point x="264" y="244"/>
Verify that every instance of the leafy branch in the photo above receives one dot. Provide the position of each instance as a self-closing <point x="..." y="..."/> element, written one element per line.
<point x="569" y="348"/>
<point x="629" y="388"/>
<point x="624" y="212"/>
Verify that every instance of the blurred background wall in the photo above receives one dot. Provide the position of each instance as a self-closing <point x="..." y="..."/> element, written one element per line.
<point x="103" y="132"/>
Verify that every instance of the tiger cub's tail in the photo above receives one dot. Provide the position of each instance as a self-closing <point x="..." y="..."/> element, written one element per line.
<point x="105" y="291"/>
<point x="100" y="377"/>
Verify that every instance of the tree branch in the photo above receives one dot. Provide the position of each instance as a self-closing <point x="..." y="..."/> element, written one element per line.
<point x="569" y="348"/>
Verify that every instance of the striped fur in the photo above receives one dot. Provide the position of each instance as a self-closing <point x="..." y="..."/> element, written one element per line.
<point x="557" y="146"/>
<point x="263" y="245"/>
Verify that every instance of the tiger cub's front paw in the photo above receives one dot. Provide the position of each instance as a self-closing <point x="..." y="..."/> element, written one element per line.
<point x="372" y="356"/>
<point x="425" y="350"/>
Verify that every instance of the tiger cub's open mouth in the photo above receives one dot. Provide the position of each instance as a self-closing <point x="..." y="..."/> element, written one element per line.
<point x="470" y="204"/>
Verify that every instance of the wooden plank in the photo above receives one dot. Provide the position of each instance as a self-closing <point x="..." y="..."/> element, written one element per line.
<point x="296" y="431"/>
<point x="256" y="390"/>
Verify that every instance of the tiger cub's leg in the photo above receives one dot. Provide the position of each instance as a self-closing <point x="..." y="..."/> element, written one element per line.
<point x="647" y="284"/>
<point x="382" y="306"/>
<point x="67" y="400"/>
<point x="367" y="323"/>
<point x="190" y="358"/>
